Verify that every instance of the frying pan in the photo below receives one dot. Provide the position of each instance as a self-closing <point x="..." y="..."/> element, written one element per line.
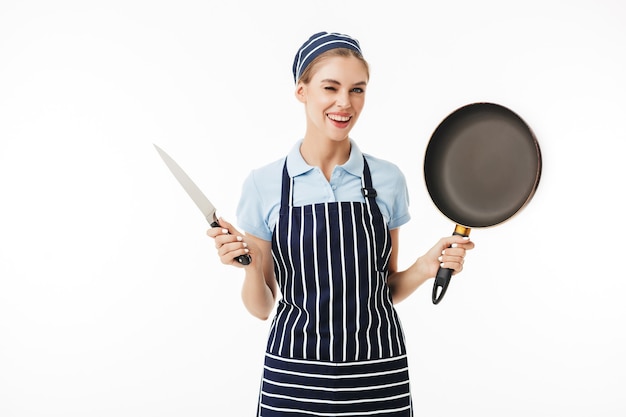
<point x="481" y="167"/>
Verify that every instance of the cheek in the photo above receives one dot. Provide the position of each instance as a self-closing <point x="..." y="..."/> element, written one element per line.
<point x="319" y="103"/>
<point x="358" y="103"/>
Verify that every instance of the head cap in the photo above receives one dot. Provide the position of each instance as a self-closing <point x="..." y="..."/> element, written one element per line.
<point x="318" y="44"/>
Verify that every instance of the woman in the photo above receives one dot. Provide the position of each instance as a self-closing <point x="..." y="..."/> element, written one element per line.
<point x="322" y="229"/>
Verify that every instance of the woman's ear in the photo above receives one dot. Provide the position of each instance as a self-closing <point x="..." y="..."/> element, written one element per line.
<point x="300" y="92"/>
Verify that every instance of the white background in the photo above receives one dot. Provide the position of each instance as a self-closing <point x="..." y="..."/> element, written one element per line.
<point x="112" y="301"/>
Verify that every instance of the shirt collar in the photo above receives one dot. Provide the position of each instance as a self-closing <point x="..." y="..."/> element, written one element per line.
<point x="296" y="165"/>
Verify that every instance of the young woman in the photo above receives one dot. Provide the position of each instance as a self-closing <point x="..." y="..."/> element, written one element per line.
<point x="322" y="229"/>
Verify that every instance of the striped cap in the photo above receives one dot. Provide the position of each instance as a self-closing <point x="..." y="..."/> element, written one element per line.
<point x="318" y="44"/>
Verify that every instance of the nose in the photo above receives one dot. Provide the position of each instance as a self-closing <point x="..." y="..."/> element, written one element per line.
<point x="343" y="99"/>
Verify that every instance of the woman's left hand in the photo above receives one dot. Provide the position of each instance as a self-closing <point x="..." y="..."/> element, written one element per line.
<point x="449" y="252"/>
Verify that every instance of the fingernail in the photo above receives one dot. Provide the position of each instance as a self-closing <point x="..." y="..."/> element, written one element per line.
<point x="245" y="245"/>
<point x="225" y="231"/>
<point x="454" y="245"/>
<point x="440" y="258"/>
<point x="239" y="238"/>
<point x="247" y="250"/>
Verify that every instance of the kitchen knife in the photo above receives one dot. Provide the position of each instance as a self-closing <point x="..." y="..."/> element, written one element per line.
<point x="196" y="195"/>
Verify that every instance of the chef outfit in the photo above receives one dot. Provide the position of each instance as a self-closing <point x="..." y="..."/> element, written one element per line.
<point x="336" y="345"/>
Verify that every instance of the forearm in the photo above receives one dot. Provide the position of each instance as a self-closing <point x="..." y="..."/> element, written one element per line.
<point x="259" y="286"/>
<point x="403" y="283"/>
<point x="256" y="295"/>
<point x="448" y="252"/>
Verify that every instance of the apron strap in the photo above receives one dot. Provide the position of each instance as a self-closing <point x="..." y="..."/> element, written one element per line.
<point x="286" y="195"/>
<point x="368" y="191"/>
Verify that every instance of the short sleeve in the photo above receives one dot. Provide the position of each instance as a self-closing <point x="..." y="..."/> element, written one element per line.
<point x="259" y="203"/>
<point x="393" y="194"/>
<point x="399" y="211"/>
<point x="250" y="210"/>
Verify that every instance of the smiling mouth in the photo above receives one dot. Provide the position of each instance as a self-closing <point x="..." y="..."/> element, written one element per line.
<point x="337" y="118"/>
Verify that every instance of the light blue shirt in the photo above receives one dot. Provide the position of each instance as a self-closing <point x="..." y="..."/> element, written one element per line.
<point x="259" y="205"/>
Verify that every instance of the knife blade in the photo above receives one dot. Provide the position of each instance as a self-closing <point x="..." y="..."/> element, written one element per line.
<point x="198" y="197"/>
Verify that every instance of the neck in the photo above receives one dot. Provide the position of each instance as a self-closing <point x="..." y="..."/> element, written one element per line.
<point x="325" y="154"/>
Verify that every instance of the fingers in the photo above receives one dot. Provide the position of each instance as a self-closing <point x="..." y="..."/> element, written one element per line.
<point x="229" y="243"/>
<point x="450" y="260"/>
<point x="230" y="247"/>
<point x="214" y="232"/>
<point x="224" y="225"/>
<point x="457" y="241"/>
<point x="453" y="256"/>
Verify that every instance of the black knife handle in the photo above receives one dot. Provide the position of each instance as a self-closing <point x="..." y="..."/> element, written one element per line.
<point x="242" y="259"/>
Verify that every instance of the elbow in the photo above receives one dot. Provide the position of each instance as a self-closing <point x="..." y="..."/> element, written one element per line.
<point x="262" y="315"/>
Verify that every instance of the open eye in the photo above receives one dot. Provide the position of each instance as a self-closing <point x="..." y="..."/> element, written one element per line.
<point x="358" y="90"/>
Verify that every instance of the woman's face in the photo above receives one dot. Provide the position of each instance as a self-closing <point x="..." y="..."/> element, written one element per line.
<point x="334" y="97"/>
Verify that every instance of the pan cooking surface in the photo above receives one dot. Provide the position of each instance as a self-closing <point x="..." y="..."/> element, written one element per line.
<point x="482" y="165"/>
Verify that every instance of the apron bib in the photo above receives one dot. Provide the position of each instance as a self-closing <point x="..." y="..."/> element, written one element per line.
<point x="336" y="346"/>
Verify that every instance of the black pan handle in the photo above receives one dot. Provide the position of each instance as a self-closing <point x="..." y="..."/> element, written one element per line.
<point x="242" y="259"/>
<point x="442" y="280"/>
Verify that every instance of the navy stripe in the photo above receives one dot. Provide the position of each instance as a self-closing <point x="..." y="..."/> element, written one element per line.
<point x="318" y="44"/>
<point x="336" y="345"/>
<point x="373" y="332"/>
<point x="301" y="387"/>
<point x="335" y="307"/>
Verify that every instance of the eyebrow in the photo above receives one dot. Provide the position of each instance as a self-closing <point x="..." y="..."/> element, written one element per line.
<point x="330" y="80"/>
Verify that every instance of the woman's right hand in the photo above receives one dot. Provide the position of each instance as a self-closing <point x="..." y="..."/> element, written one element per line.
<point x="259" y="285"/>
<point x="230" y="243"/>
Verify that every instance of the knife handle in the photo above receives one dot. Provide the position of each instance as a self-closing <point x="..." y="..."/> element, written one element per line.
<point x="242" y="259"/>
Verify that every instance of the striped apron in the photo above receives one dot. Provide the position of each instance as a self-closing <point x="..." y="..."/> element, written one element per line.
<point x="336" y="346"/>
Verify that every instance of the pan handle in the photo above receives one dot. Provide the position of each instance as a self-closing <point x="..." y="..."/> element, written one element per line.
<point x="442" y="280"/>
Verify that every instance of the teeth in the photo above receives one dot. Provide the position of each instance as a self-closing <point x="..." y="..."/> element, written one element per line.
<point x="338" y="118"/>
